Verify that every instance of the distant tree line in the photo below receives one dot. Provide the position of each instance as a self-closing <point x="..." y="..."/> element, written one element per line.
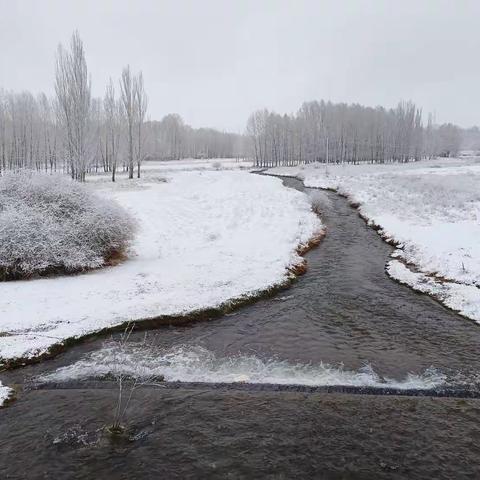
<point x="172" y="139"/>
<point x="341" y="133"/>
<point x="471" y="139"/>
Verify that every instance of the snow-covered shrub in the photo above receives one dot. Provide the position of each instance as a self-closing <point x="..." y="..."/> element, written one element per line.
<point x="50" y="224"/>
<point x="217" y="165"/>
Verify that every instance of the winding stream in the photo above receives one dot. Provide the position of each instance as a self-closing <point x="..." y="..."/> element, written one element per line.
<point x="343" y="323"/>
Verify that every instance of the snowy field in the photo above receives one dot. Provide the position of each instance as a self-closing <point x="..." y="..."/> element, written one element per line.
<point x="431" y="208"/>
<point x="188" y="164"/>
<point x="198" y="164"/>
<point x="205" y="238"/>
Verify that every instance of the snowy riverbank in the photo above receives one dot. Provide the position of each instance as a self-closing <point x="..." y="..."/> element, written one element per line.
<point x="430" y="208"/>
<point x="205" y="238"/>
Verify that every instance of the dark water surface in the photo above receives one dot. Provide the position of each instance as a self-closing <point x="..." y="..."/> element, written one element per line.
<point x="344" y="311"/>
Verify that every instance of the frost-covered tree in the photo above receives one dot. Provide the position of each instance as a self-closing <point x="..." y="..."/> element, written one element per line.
<point x="48" y="133"/>
<point x="128" y="104"/>
<point x="3" y="133"/>
<point x="74" y="105"/>
<point x="449" y="140"/>
<point x="173" y="132"/>
<point x="470" y="139"/>
<point x="113" y="126"/>
<point x="134" y="102"/>
<point x="141" y="102"/>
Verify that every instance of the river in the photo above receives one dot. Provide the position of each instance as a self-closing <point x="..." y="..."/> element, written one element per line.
<point x="347" y="374"/>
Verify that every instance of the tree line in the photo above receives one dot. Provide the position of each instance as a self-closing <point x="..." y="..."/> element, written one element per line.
<point x="76" y="133"/>
<point x="172" y="139"/>
<point x="341" y="133"/>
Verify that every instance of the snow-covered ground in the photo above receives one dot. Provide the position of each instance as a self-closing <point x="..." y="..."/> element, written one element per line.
<point x="431" y="208"/>
<point x="205" y="238"/>
<point x="198" y="164"/>
<point x="185" y="165"/>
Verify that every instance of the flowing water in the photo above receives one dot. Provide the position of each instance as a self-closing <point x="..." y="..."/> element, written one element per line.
<point x="256" y="393"/>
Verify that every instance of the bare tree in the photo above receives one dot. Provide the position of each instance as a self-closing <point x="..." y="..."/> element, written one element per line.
<point x="129" y="111"/>
<point x="48" y="133"/>
<point x="112" y="110"/>
<point x="449" y="140"/>
<point x="3" y="133"/>
<point x="141" y="103"/>
<point x="128" y="377"/>
<point x="73" y="90"/>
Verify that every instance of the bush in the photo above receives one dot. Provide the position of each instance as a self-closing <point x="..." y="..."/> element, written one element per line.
<point x="50" y="224"/>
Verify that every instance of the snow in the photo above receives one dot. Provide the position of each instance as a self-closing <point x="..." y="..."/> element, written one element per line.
<point x="184" y="165"/>
<point x="190" y="164"/>
<point x="460" y="297"/>
<point x="205" y="238"/>
<point x="5" y="393"/>
<point x="431" y="208"/>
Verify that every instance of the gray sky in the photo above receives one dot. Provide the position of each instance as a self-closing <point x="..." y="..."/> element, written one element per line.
<point x="214" y="62"/>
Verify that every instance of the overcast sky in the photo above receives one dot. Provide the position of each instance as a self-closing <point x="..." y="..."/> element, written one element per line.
<point x="214" y="62"/>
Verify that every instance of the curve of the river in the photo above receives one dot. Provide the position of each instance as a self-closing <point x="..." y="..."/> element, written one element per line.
<point x="345" y="322"/>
